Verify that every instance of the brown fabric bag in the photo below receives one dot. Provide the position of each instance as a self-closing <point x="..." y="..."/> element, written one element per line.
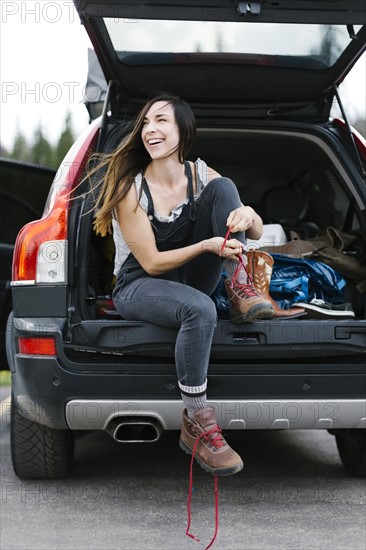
<point x="344" y="252"/>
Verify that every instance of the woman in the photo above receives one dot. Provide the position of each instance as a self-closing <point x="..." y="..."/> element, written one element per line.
<point x="169" y="218"/>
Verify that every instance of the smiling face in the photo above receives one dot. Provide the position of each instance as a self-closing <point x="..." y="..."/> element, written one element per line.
<point x="160" y="134"/>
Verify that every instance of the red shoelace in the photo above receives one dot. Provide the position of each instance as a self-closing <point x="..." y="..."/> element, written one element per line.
<point x="216" y="442"/>
<point x="246" y="290"/>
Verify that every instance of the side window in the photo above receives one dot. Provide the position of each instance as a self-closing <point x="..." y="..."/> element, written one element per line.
<point x="23" y="192"/>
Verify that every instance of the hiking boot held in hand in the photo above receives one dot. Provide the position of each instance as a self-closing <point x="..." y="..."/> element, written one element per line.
<point x="212" y="452"/>
<point x="246" y="303"/>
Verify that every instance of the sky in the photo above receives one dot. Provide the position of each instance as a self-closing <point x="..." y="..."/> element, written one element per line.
<point x="44" y="63"/>
<point x="43" y="68"/>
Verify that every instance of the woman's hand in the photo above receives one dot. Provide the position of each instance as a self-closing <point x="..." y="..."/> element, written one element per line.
<point x="245" y="219"/>
<point x="233" y="248"/>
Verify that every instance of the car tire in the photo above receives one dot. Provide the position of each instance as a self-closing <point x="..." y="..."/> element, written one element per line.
<point x="352" y="450"/>
<point x="37" y="451"/>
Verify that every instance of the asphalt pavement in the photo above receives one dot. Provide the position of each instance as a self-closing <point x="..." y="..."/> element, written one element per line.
<point x="292" y="494"/>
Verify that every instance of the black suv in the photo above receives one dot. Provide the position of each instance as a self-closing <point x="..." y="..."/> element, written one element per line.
<point x="261" y="78"/>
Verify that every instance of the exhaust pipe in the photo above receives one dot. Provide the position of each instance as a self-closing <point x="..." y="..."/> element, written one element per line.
<point x="135" y="430"/>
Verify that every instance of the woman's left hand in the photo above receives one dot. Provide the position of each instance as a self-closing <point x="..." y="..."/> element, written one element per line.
<point x="241" y="219"/>
<point x="245" y="219"/>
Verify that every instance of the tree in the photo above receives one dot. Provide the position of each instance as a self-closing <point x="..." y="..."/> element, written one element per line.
<point x="330" y="47"/>
<point x="66" y="140"/>
<point x="20" y="149"/>
<point x="42" y="152"/>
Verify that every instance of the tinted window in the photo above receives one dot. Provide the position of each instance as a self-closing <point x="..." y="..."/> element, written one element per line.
<point x="319" y="45"/>
<point x="23" y="193"/>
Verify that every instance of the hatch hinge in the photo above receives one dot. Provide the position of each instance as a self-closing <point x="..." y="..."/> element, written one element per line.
<point x="104" y="116"/>
<point x="351" y="32"/>
<point x="349" y="129"/>
<point x="252" y="8"/>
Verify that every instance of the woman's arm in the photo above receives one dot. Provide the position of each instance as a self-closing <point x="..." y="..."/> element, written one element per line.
<point x="245" y="218"/>
<point x="140" y="239"/>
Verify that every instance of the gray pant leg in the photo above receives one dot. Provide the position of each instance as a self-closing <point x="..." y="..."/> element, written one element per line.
<point x="172" y="304"/>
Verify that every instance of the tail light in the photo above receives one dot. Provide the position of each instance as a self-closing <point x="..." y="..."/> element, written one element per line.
<point x="40" y="253"/>
<point x="37" y="346"/>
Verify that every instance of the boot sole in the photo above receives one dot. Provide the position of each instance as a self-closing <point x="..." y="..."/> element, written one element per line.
<point x="204" y="466"/>
<point x="254" y="315"/>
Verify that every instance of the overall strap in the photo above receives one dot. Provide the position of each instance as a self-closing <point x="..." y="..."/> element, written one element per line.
<point x="150" y="203"/>
<point x="192" y="205"/>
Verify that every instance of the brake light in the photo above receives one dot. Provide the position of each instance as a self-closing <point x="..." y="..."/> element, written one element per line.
<point x="29" y="243"/>
<point x="37" y="346"/>
<point x="40" y="252"/>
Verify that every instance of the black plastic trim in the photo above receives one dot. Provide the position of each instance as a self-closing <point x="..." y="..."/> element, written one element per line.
<point x="40" y="301"/>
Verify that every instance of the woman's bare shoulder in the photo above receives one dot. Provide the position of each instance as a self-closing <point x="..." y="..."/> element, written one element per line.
<point x="130" y="200"/>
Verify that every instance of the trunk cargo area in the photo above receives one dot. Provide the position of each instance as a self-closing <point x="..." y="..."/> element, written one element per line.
<point x="291" y="177"/>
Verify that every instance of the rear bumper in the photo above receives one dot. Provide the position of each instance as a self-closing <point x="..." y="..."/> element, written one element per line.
<point x="86" y="390"/>
<point x="241" y="414"/>
<point x="48" y="394"/>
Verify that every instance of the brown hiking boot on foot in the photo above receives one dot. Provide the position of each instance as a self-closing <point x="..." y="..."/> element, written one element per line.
<point x="246" y="303"/>
<point x="212" y="452"/>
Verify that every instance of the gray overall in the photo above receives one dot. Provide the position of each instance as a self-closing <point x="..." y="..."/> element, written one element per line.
<point x="181" y="297"/>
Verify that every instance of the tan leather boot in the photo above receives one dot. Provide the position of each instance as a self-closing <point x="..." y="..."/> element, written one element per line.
<point x="260" y="266"/>
<point x="212" y="452"/>
<point x="246" y="303"/>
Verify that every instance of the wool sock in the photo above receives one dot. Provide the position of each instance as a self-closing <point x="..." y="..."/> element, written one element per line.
<point x="194" y="398"/>
<point x="230" y="267"/>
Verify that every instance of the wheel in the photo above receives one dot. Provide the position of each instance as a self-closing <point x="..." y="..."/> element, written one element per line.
<point x="39" y="452"/>
<point x="352" y="450"/>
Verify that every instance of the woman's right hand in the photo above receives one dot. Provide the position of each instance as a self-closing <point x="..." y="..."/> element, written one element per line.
<point x="233" y="248"/>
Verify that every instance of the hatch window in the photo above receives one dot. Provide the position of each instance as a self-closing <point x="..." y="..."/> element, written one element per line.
<point x="296" y="45"/>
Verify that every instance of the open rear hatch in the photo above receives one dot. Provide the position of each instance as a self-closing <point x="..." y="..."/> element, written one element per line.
<point x="268" y="59"/>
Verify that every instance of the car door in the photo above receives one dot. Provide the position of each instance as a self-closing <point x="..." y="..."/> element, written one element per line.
<point x="24" y="189"/>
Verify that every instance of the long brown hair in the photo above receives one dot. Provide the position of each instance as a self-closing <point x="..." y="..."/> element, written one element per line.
<point x="131" y="157"/>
